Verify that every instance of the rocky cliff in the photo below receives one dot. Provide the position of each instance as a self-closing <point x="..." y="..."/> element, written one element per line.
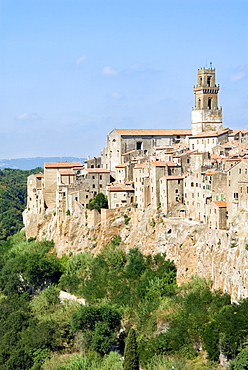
<point x="218" y="255"/>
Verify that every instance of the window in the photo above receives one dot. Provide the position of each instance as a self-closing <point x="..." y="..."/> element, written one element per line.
<point x="86" y="196"/>
<point x="208" y="80"/>
<point x="139" y="145"/>
<point x="239" y="170"/>
<point x="236" y="196"/>
<point x="193" y="146"/>
<point x="93" y="186"/>
<point x="209" y="103"/>
<point x="178" y="181"/>
<point x="193" y="195"/>
<point x="76" y="198"/>
<point x="93" y="177"/>
<point x="192" y="184"/>
<point x="241" y="189"/>
<point x="188" y="160"/>
<point x="217" y="197"/>
<point x="229" y="183"/>
<point x="100" y="185"/>
<point x="185" y="195"/>
<point x="176" y="190"/>
<point x="245" y="170"/>
<point x="100" y="177"/>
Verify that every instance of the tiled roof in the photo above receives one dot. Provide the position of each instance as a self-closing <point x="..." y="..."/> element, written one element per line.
<point x="211" y="133"/>
<point x="66" y="172"/>
<point x="39" y="175"/>
<point x="171" y="177"/>
<point x="216" y="156"/>
<point x="185" y="153"/>
<point x="122" y="165"/>
<point x="164" y="163"/>
<point x="121" y="187"/>
<point x="153" y="132"/>
<point x="139" y="165"/>
<point x="235" y="132"/>
<point x="130" y="151"/>
<point x="62" y="164"/>
<point x="97" y="170"/>
<point x="90" y="159"/>
<point x="210" y="173"/>
<point x="220" y="203"/>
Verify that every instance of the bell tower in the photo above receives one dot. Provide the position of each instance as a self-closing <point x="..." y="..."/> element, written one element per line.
<point x="206" y="115"/>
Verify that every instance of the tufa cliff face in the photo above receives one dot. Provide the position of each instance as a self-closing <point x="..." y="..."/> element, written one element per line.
<point x="218" y="255"/>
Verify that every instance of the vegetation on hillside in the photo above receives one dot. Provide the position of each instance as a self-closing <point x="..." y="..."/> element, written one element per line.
<point x="13" y="194"/>
<point x="175" y="326"/>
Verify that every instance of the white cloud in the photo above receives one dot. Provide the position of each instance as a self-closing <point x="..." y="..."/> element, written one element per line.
<point x="240" y="73"/>
<point x="81" y="59"/>
<point x="109" y="71"/>
<point x="116" y="95"/>
<point x="238" y="76"/>
<point x="27" y="116"/>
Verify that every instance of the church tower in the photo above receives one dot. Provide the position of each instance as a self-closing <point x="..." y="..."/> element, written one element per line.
<point x="206" y="115"/>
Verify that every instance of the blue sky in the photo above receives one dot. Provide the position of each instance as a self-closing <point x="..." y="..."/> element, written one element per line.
<point x="72" y="70"/>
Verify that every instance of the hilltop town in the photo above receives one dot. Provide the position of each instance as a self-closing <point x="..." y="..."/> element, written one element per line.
<point x="199" y="174"/>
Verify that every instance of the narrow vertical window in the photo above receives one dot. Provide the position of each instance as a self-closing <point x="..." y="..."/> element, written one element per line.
<point x="209" y="103"/>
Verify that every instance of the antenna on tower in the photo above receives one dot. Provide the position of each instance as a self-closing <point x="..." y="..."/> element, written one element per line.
<point x="210" y="65"/>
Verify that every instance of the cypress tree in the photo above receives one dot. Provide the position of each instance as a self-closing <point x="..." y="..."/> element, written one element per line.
<point x="131" y="359"/>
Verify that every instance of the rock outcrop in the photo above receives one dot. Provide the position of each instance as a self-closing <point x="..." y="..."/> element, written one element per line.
<point x="218" y="255"/>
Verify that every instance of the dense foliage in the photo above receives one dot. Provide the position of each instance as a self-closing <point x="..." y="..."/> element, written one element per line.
<point x="13" y="193"/>
<point x="100" y="201"/>
<point x="175" y="326"/>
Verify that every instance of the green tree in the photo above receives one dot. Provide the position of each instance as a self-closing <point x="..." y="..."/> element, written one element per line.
<point x="100" y="201"/>
<point x="131" y="359"/>
<point x="241" y="361"/>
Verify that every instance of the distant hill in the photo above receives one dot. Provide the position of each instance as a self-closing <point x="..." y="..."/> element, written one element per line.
<point x="30" y="163"/>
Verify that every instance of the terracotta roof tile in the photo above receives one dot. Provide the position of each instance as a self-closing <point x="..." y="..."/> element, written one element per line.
<point x="211" y="133"/>
<point x="91" y="159"/>
<point x="97" y="170"/>
<point x="121" y="187"/>
<point x="164" y="163"/>
<point x="130" y="151"/>
<point x="62" y="164"/>
<point x="220" y="203"/>
<point x="39" y="175"/>
<point x="122" y="165"/>
<point x="66" y="172"/>
<point x="153" y="132"/>
<point x="171" y="177"/>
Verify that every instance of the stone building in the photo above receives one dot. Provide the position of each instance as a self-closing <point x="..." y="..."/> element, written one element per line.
<point x="145" y="141"/>
<point x="198" y="173"/>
